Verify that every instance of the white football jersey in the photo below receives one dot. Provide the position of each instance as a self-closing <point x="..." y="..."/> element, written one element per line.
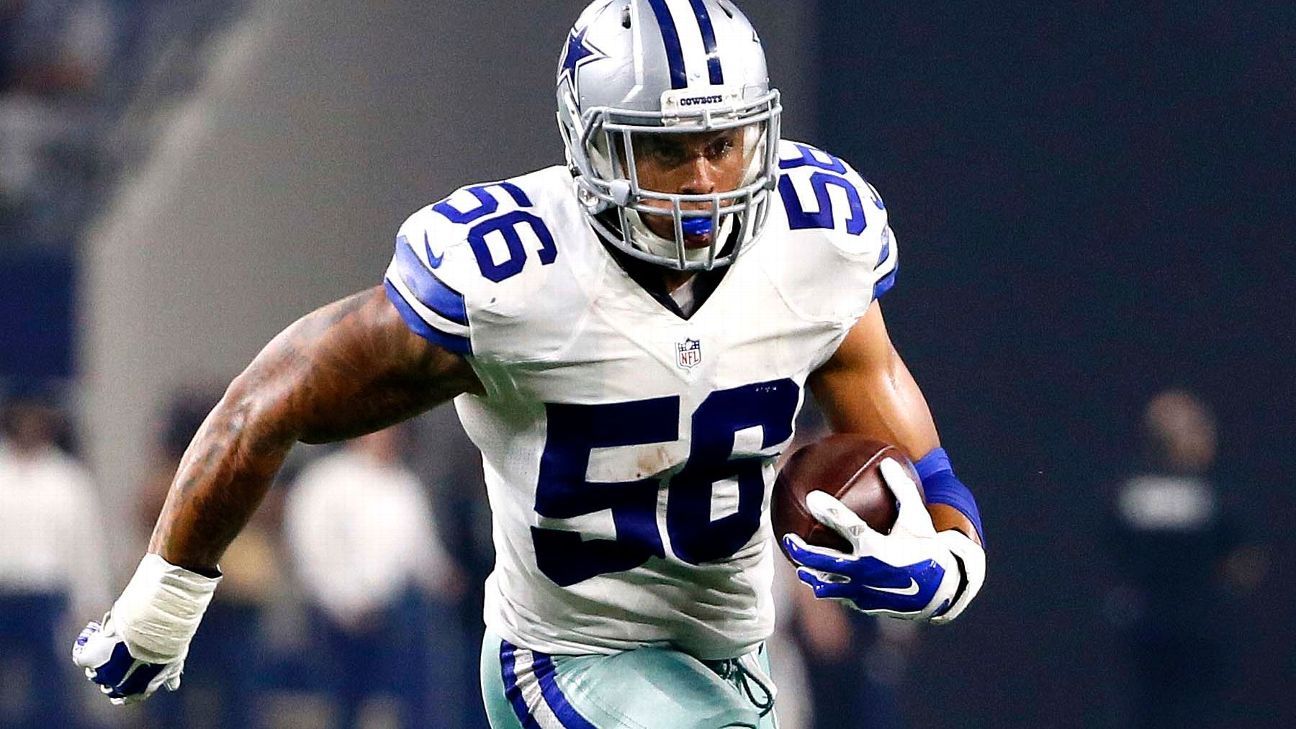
<point x="629" y="452"/>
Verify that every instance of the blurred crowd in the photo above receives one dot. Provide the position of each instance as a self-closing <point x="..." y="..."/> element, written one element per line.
<point x="341" y="605"/>
<point x="82" y="82"/>
<point x="1180" y="559"/>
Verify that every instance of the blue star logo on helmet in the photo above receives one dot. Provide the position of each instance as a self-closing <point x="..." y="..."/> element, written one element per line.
<point x="577" y="52"/>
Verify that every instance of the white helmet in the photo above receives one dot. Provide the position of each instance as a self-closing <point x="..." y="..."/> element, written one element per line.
<point x="651" y="67"/>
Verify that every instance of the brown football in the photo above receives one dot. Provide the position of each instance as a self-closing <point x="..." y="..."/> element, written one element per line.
<point x="846" y="466"/>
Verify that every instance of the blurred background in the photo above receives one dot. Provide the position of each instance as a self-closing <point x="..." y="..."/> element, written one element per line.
<point x="1096" y="211"/>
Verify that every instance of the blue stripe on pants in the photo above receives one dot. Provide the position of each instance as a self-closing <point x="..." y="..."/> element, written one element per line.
<point x="553" y="695"/>
<point x="511" y="688"/>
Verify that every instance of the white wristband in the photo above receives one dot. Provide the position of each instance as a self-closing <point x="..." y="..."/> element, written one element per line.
<point x="159" y="611"/>
<point x="971" y="558"/>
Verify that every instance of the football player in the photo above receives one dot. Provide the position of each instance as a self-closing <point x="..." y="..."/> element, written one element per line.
<point x="627" y="338"/>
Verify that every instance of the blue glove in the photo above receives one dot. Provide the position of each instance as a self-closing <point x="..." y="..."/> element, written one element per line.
<point x="107" y="661"/>
<point x="911" y="573"/>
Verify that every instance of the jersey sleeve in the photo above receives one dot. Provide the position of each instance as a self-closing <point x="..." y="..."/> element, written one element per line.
<point x="429" y="279"/>
<point x="873" y="247"/>
<point x="887" y="265"/>
<point x="479" y="273"/>
<point x="842" y="254"/>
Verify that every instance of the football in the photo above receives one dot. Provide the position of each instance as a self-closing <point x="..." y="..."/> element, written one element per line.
<point x="844" y="465"/>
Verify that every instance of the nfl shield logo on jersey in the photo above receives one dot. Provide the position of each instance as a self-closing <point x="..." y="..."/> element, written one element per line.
<point x="688" y="353"/>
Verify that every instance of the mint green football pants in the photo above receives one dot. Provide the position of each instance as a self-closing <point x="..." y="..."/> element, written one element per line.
<point x="645" y="688"/>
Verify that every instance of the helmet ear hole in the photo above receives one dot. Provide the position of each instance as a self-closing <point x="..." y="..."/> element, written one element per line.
<point x="625" y="17"/>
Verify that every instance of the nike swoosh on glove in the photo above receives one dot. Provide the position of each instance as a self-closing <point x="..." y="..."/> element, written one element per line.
<point x="910" y="573"/>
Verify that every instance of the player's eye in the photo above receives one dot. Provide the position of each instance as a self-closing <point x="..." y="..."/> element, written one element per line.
<point x="666" y="152"/>
<point x="720" y="147"/>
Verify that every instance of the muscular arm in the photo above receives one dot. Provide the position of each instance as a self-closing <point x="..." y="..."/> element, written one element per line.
<point x="349" y="368"/>
<point x="865" y="388"/>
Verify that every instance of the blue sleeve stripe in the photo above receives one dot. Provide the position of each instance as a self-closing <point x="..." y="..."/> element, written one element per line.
<point x="884" y="284"/>
<point x="426" y="287"/>
<point x="435" y="320"/>
<point x="941" y="486"/>
<point x="885" y="253"/>
<point x="456" y="343"/>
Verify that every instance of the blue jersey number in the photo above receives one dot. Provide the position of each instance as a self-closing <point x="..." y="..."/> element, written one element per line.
<point x="829" y="172"/>
<point x="506" y="224"/>
<point x="563" y="492"/>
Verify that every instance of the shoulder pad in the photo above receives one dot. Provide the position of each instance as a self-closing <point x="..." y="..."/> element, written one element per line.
<point x="473" y="257"/>
<point x="839" y="238"/>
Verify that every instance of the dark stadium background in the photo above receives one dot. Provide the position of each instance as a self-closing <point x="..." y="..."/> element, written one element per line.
<point x="1094" y="201"/>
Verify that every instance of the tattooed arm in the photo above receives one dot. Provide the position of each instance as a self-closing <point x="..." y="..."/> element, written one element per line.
<point x="350" y="368"/>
